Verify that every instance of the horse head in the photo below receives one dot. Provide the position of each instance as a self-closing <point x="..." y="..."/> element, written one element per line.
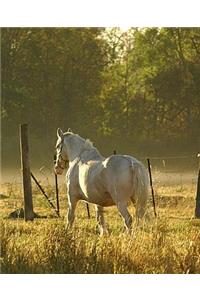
<point x="61" y="153"/>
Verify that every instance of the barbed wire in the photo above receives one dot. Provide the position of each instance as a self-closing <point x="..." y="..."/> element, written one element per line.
<point x="172" y="157"/>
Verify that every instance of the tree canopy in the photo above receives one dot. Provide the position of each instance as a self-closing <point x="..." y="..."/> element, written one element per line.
<point x="137" y="91"/>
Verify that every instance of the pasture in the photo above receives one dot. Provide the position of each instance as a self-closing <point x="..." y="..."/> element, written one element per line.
<point x="169" y="244"/>
<point x="112" y="87"/>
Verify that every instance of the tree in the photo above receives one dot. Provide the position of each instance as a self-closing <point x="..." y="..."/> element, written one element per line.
<point x="50" y="77"/>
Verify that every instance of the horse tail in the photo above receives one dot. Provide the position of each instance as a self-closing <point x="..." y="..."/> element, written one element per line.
<point x="140" y="188"/>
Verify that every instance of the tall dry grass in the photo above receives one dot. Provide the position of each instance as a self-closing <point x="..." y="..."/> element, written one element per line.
<point x="168" y="244"/>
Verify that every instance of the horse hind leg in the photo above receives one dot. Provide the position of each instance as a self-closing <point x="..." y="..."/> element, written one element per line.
<point x="122" y="207"/>
<point x="140" y="211"/>
<point x="100" y="219"/>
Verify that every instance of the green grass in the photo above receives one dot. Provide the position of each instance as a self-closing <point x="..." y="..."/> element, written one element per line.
<point x="169" y="244"/>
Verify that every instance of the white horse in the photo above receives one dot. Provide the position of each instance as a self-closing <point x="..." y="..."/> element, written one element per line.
<point x="102" y="181"/>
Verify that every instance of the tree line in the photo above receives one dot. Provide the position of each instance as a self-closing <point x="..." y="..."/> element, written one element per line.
<point x="137" y="91"/>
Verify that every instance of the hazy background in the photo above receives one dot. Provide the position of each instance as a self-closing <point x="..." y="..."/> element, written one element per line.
<point x="136" y="91"/>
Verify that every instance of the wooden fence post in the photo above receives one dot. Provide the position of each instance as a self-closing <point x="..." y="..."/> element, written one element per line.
<point x="151" y="184"/>
<point x="27" y="188"/>
<point x="56" y="186"/>
<point x="197" y="208"/>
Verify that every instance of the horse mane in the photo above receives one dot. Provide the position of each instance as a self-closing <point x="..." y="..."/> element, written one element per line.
<point x="88" y="144"/>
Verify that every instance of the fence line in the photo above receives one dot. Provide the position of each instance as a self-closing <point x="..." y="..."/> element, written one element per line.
<point x="171" y="157"/>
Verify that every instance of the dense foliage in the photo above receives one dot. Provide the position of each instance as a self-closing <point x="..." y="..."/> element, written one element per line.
<point x="137" y="91"/>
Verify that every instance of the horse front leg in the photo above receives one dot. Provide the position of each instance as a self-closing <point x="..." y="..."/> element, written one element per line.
<point x="100" y="219"/>
<point x="71" y="211"/>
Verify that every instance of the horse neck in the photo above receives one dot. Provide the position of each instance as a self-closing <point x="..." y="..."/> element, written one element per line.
<point x="73" y="149"/>
<point x="90" y="154"/>
<point x="80" y="148"/>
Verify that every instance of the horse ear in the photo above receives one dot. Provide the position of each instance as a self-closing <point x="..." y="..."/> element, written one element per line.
<point x="60" y="133"/>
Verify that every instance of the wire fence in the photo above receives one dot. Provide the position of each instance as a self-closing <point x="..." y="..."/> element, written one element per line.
<point x="171" y="169"/>
<point x="174" y="178"/>
<point x="170" y="163"/>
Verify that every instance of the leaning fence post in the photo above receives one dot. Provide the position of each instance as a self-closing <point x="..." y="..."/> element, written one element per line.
<point x="45" y="195"/>
<point x="27" y="188"/>
<point x="197" y="208"/>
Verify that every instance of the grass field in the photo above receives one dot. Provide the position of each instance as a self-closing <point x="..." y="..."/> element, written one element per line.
<point x="168" y="244"/>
